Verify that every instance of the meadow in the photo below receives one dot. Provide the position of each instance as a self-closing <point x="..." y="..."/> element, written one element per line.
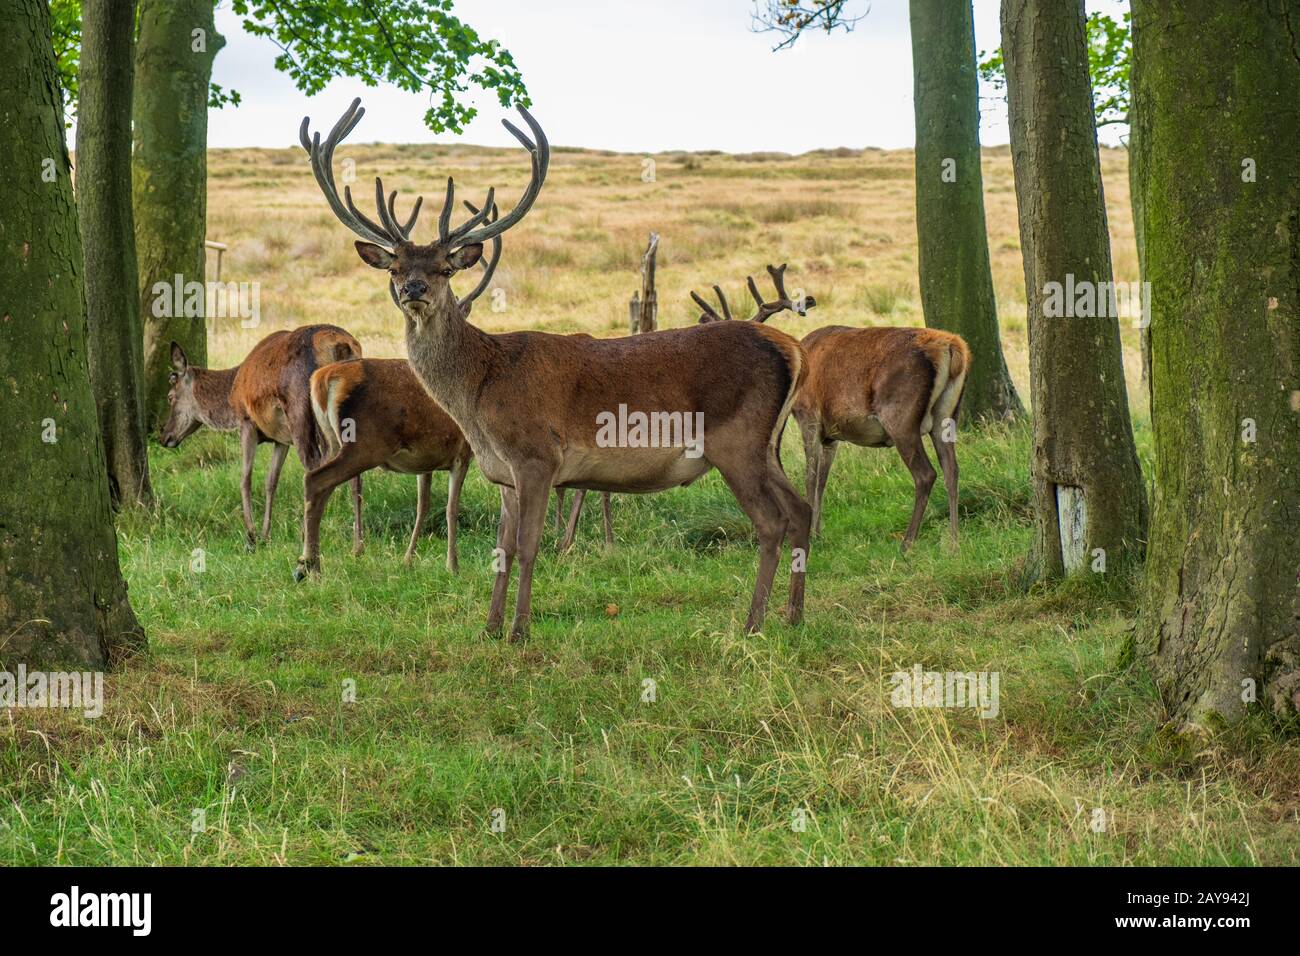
<point x="363" y="719"/>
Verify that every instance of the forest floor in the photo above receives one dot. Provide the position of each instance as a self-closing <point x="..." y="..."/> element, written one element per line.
<point x="363" y="719"/>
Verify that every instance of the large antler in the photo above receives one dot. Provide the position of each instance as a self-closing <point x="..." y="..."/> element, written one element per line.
<point x="388" y="231"/>
<point x="479" y="227"/>
<point x="782" y="302"/>
<point x="489" y="265"/>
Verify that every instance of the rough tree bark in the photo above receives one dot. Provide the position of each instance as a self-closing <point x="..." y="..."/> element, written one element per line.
<point x="62" y="597"/>
<point x="108" y="238"/>
<point x="1088" y="491"/>
<point x="1217" y="104"/>
<point x="173" y="67"/>
<point x="956" y="281"/>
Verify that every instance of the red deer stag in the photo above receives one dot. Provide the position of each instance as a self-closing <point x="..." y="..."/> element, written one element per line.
<point x="374" y="413"/>
<point x="874" y="387"/>
<point x="537" y="408"/>
<point x="266" y="397"/>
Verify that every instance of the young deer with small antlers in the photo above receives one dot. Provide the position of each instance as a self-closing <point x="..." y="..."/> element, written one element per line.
<point x="531" y="403"/>
<point x="874" y="387"/>
<point x="266" y="397"/>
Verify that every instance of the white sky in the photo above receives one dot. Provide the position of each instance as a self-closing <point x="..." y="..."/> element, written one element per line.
<point x="636" y="76"/>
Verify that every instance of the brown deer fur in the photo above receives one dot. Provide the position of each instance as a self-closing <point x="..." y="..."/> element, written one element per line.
<point x="529" y="401"/>
<point x="394" y="425"/>
<point x="267" y="398"/>
<point x="877" y="387"/>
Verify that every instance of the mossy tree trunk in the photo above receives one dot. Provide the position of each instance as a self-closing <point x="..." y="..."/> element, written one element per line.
<point x="956" y="280"/>
<point x="1088" y="494"/>
<point x="62" y="597"/>
<point x="108" y="237"/>
<point x="173" y="68"/>
<point x="1217" y="104"/>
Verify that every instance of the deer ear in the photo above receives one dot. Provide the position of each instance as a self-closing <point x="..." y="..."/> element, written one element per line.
<point x="373" y="255"/>
<point x="179" y="362"/>
<point x="466" y="256"/>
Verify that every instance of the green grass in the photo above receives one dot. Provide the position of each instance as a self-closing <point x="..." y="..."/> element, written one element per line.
<point x="238" y="709"/>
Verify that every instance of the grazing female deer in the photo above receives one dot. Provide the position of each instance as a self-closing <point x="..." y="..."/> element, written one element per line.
<point x="536" y="406"/>
<point x="374" y="413"/>
<point x="874" y="387"/>
<point x="880" y="387"/>
<point x="267" y="397"/>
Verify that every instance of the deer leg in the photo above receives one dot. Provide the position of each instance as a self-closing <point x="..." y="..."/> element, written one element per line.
<point x="503" y="557"/>
<point x="533" y="485"/>
<point x="358" y="533"/>
<point x="753" y="488"/>
<point x="423" y="484"/>
<point x="947" y="454"/>
<point x="812" y="460"/>
<point x="609" y="519"/>
<point x="825" y="458"/>
<point x="317" y="488"/>
<point x="571" y="529"/>
<point x="798" y="516"/>
<point x="278" y="453"/>
<point x="918" y="463"/>
<point x="559" y="509"/>
<point x="248" y="450"/>
<point x="454" y="482"/>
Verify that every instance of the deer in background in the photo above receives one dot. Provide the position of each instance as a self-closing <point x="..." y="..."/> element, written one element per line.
<point x="874" y="387"/>
<point x="530" y="403"/>
<point x="374" y="413"/>
<point x="266" y="397"/>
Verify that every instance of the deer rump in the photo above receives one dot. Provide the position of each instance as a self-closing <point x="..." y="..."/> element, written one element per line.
<point x="669" y="375"/>
<point x="271" y="384"/>
<point x="923" y="369"/>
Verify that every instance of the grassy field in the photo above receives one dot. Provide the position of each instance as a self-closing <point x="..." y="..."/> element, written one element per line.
<point x="241" y="709"/>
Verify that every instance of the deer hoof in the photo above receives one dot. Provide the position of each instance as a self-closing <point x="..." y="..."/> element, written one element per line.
<point x="299" y="573"/>
<point x="250" y="542"/>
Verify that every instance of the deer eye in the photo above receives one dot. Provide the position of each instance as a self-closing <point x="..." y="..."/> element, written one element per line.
<point x="448" y="273"/>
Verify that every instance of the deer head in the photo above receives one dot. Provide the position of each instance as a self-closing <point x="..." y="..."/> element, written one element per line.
<point x="184" y="416"/>
<point x="766" y="310"/>
<point x="420" y="274"/>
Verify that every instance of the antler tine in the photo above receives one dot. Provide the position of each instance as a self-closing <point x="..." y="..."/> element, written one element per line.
<point x="415" y="213"/>
<point x="540" y="153"/>
<point x="322" y="166"/>
<point x="709" y="315"/>
<point x="444" y="218"/>
<point x="386" y="211"/>
<point x="726" y="309"/>
<point x="778" y="279"/>
<point x="478" y="217"/>
<point x="489" y="265"/>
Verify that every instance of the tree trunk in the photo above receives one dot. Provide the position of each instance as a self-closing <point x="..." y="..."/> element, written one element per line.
<point x="956" y="282"/>
<point x="1217" y="101"/>
<point x="1088" y="494"/>
<point x="173" y="66"/>
<point x="62" y="597"/>
<point x="108" y="236"/>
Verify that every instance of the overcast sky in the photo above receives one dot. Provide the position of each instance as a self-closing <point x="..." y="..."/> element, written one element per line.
<point x="635" y="76"/>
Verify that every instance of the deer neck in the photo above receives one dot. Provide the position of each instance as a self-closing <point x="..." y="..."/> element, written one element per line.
<point x="453" y="358"/>
<point x="212" y="390"/>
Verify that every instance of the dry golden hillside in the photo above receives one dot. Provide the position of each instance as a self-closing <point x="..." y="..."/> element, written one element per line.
<point x="844" y="219"/>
